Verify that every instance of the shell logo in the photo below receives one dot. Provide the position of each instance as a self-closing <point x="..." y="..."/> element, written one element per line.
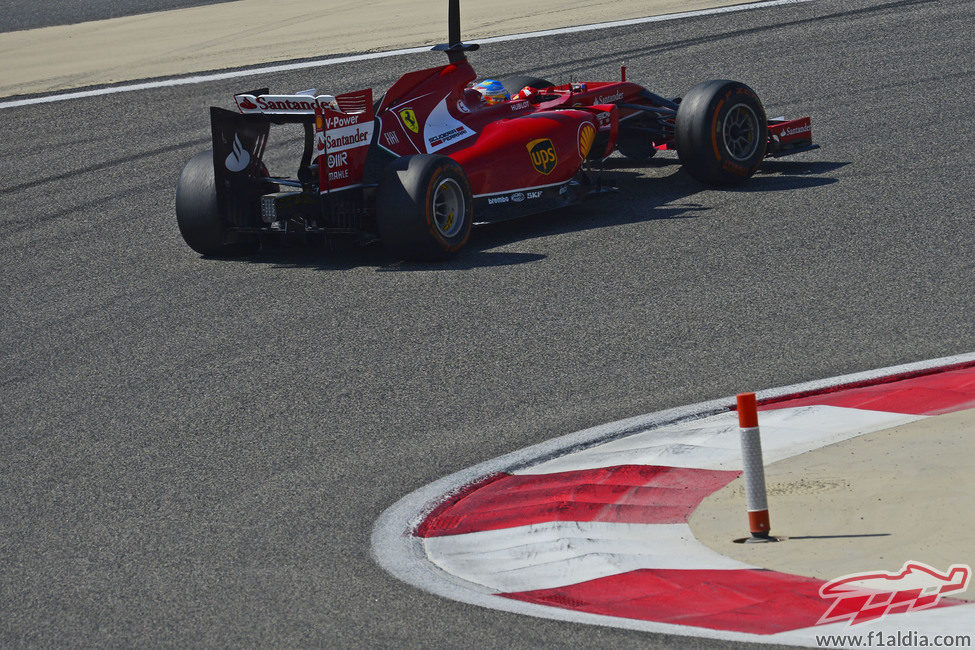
<point x="587" y="135"/>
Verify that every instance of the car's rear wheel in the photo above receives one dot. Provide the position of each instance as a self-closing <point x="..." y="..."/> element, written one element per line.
<point x="424" y="208"/>
<point x="721" y="132"/>
<point x="198" y="215"/>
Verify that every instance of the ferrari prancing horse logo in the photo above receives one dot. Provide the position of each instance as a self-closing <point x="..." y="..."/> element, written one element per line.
<point x="543" y="156"/>
<point x="409" y="120"/>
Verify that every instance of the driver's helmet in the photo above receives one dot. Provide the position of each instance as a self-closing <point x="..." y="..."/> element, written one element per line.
<point x="492" y="91"/>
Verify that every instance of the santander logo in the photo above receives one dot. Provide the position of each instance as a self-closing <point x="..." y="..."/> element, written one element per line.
<point x="799" y="129"/>
<point x="247" y="104"/>
<point x="239" y="158"/>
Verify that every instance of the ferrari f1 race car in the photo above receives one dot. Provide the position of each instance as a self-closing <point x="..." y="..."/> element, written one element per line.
<point x="437" y="153"/>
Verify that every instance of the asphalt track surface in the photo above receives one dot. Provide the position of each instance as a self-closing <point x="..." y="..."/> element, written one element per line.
<point x="25" y="14"/>
<point x="194" y="450"/>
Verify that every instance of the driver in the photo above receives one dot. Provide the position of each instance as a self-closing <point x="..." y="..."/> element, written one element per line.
<point x="492" y="92"/>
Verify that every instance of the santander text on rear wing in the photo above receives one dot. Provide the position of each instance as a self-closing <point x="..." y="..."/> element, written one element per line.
<point x="344" y="126"/>
<point x="342" y="140"/>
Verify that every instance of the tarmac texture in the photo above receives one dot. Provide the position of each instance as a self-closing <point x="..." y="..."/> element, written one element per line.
<point x="194" y="450"/>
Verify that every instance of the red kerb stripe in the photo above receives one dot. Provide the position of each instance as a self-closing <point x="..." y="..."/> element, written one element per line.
<point x="755" y="601"/>
<point x="626" y="494"/>
<point x="931" y="394"/>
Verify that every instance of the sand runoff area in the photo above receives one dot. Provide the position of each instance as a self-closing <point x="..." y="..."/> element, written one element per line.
<point x="252" y="32"/>
<point x="870" y="503"/>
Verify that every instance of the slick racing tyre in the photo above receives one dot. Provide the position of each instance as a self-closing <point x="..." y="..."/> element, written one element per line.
<point x="722" y="132"/>
<point x="635" y="145"/>
<point x="424" y="207"/>
<point x="198" y="216"/>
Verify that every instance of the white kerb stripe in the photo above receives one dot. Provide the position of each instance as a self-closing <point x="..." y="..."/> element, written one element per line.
<point x="559" y="553"/>
<point x="712" y="442"/>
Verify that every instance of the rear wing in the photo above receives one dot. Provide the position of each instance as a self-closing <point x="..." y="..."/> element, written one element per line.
<point x="302" y="104"/>
<point x="339" y="130"/>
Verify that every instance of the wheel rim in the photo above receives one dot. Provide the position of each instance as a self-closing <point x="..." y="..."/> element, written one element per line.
<point x="449" y="207"/>
<point x="740" y="132"/>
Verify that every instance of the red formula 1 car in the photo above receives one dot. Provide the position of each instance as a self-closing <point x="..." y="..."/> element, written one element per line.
<point x="435" y="155"/>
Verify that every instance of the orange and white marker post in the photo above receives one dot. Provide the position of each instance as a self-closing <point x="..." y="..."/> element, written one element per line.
<point x="756" y="499"/>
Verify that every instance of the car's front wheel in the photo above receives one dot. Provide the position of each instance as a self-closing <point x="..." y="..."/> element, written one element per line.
<point x="721" y="132"/>
<point x="635" y="146"/>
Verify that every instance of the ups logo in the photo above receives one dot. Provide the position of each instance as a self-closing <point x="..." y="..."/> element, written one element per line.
<point x="542" y="153"/>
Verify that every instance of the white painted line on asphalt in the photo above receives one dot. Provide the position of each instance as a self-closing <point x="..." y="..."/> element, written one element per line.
<point x="218" y="76"/>
<point x="403" y="555"/>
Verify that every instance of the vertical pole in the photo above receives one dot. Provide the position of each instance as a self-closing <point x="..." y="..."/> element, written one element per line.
<point x="756" y="499"/>
<point x="453" y="22"/>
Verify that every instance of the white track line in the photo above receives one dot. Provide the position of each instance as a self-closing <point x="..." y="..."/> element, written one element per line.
<point x="403" y="555"/>
<point x="198" y="79"/>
